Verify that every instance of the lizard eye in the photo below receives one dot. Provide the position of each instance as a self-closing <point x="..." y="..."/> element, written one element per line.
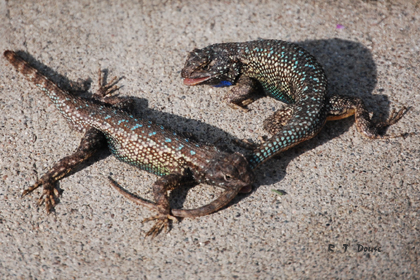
<point x="228" y="177"/>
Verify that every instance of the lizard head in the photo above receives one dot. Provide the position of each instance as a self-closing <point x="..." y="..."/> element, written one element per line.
<point x="211" y="66"/>
<point x="231" y="171"/>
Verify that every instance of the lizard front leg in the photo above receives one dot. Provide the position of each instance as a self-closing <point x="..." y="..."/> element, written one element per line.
<point x="160" y="189"/>
<point x="245" y="91"/>
<point x="161" y="205"/>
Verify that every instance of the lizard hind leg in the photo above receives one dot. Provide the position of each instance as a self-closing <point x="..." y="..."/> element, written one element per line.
<point x="245" y="91"/>
<point x="273" y="125"/>
<point x="343" y="106"/>
<point x="162" y="224"/>
<point x="160" y="189"/>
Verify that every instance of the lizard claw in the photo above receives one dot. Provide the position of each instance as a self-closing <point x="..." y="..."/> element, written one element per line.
<point x="31" y="188"/>
<point x="162" y="223"/>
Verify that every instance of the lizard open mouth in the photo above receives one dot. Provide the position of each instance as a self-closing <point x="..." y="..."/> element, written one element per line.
<point x="195" y="81"/>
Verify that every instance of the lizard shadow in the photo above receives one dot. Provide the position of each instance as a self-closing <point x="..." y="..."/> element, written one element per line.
<point x="351" y="71"/>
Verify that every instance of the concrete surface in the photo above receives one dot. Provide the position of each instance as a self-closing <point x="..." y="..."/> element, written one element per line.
<point x="340" y="188"/>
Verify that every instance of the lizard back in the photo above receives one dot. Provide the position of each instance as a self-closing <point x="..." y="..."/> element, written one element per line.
<point x="138" y="142"/>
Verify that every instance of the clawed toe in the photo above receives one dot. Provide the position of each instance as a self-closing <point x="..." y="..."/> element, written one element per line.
<point x="31" y="189"/>
<point x="162" y="223"/>
<point x="396" y="116"/>
<point x="49" y="198"/>
<point x="107" y="89"/>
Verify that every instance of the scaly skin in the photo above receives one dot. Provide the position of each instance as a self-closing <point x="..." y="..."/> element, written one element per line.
<point x="287" y="73"/>
<point x="141" y="143"/>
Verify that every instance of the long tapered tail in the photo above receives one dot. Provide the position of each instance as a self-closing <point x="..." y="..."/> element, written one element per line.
<point x="47" y="86"/>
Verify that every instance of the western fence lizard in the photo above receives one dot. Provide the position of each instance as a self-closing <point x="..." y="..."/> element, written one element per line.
<point x="288" y="73"/>
<point x="151" y="147"/>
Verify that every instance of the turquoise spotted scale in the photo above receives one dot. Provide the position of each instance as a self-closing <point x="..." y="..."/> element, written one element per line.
<point x="285" y="71"/>
<point x="139" y="142"/>
<point x="288" y="73"/>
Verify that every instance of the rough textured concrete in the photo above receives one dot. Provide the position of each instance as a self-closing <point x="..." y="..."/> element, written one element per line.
<point x="341" y="188"/>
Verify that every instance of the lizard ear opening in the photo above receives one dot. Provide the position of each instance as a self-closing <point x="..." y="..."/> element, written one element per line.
<point x="239" y="59"/>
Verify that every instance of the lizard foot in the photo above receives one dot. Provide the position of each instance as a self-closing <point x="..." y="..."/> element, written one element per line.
<point x="106" y="89"/>
<point x="49" y="194"/>
<point x="393" y="118"/>
<point x="162" y="222"/>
